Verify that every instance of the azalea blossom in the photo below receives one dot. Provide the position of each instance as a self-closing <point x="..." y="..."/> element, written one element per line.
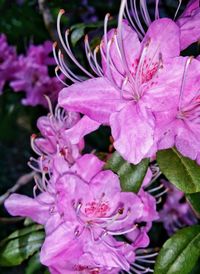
<point x="62" y="134"/>
<point x="32" y="76"/>
<point x="128" y="84"/>
<point x="82" y="210"/>
<point x="188" y="21"/>
<point x="7" y="61"/>
<point x="176" y="212"/>
<point x="179" y="125"/>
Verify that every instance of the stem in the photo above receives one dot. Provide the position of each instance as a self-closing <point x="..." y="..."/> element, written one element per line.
<point x="48" y="19"/>
<point x="23" y="180"/>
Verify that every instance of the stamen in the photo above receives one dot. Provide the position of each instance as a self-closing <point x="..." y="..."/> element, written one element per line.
<point x="136" y="17"/>
<point x="56" y="73"/>
<point x="177" y="10"/>
<point x="144" y="12"/>
<point x="162" y="193"/>
<point x="33" y="146"/>
<point x="65" y="70"/>
<point x="105" y="29"/>
<point x="49" y="104"/>
<point x="187" y="63"/>
<point x="120" y="40"/>
<point x="147" y="256"/>
<point x="66" y="45"/>
<point x="157" y="16"/>
<point x="156" y="188"/>
<point x="122" y="232"/>
<point x="147" y="261"/>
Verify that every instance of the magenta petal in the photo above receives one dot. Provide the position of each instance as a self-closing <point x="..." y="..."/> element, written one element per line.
<point x="132" y="131"/>
<point x="147" y="178"/>
<point x="21" y="205"/>
<point x="132" y="48"/>
<point x="96" y="98"/>
<point x="189" y="27"/>
<point x="189" y="23"/>
<point x="191" y="6"/>
<point x="158" y="36"/>
<point x="59" y="242"/>
<point x="87" y="166"/>
<point x="80" y="129"/>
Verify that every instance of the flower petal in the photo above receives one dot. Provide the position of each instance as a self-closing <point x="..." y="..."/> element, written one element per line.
<point x="21" y="205"/>
<point x="132" y="131"/>
<point x="96" y="98"/>
<point x="80" y="129"/>
<point x="189" y="23"/>
<point x="162" y="38"/>
<point x="87" y="166"/>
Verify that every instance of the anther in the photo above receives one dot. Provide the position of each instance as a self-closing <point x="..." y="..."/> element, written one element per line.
<point x="121" y="211"/>
<point x="62" y="11"/>
<point x="33" y="136"/>
<point x="55" y="44"/>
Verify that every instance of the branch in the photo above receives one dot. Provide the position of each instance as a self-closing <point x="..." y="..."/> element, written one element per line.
<point x="23" y="180"/>
<point x="11" y="220"/>
<point x="48" y="19"/>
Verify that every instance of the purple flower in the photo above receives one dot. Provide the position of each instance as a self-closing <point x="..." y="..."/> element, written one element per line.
<point x="179" y="125"/>
<point x="176" y="212"/>
<point x="33" y="78"/>
<point x="189" y="23"/>
<point x="41" y="53"/>
<point x="128" y="86"/>
<point x="82" y="209"/>
<point x="7" y="61"/>
<point x="61" y="134"/>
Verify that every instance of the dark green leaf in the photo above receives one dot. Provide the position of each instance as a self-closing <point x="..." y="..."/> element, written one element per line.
<point x="131" y="176"/>
<point x="34" y="264"/>
<point x="180" y="253"/>
<point x="194" y="200"/>
<point x="20" y="245"/>
<point x="77" y="34"/>
<point x="181" y="171"/>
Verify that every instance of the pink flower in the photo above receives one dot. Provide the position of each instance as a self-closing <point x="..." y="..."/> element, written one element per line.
<point x="179" y="125"/>
<point x="7" y="61"/>
<point x="33" y="78"/>
<point x="82" y="209"/>
<point x="62" y="134"/>
<point x="176" y="212"/>
<point x="41" y="54"/>
<point x="128" y="86"/>
<point x="189" y="23"/>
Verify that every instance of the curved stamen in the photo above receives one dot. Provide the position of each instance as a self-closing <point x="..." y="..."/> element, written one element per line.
<point x="177" y="10"/>
<point x="66" y="46"/>
<point x="120" y="40"/>
<point x="187" y="63"/>
<point x="56" y="73"/>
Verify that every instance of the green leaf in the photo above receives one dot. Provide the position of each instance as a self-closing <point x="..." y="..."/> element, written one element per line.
<point x="34" y="264"/>
<point x="79" y="30"/>
<point x="20" y="245"/>
<point x="194" y="201"/>
<point x="77" y="34"/>
<point x="131" y="176"/>
<point x="181" y="171"/>
<point x="180" y="253"/>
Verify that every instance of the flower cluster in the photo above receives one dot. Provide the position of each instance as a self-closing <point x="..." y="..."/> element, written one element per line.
<point x="149" y="95"/>
<point x="82" y="206"/>
<point x="7" y="61"/>
<point x="144" y="90"/>
<point x="29" y="73"/>
<point x="176" y="212"/>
